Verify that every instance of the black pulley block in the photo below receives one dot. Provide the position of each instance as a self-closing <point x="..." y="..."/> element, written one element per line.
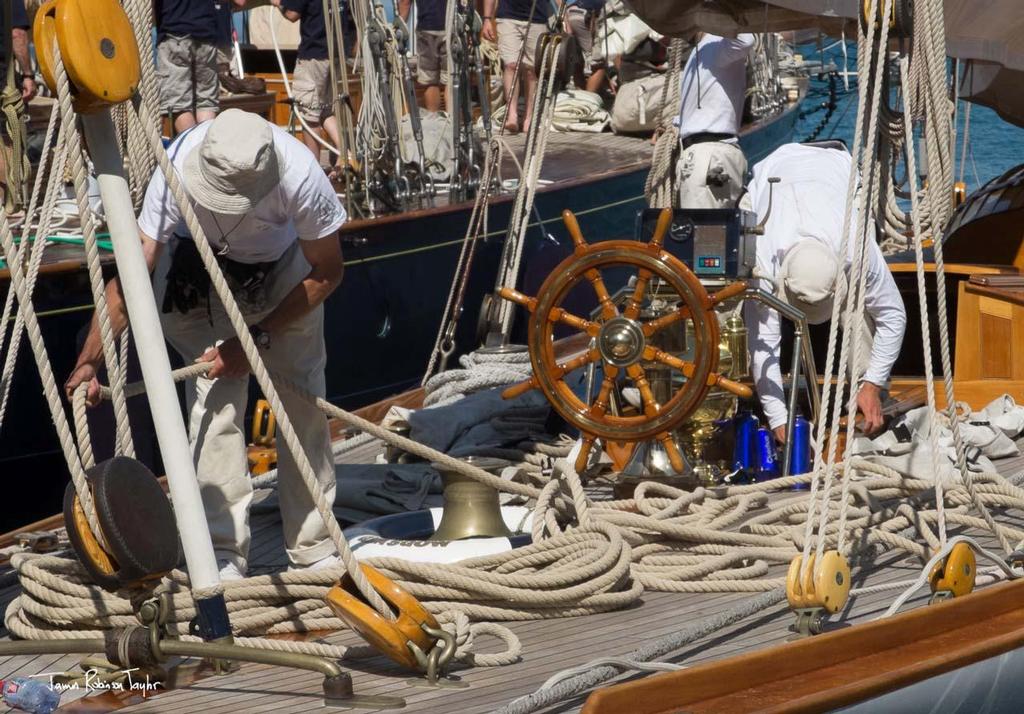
<point x="137" y="523"/>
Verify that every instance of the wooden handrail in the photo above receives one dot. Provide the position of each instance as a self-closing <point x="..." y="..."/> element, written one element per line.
<point x="835" y="669"/>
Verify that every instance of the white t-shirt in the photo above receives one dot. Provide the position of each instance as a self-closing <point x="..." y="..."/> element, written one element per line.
<point x="303" y="206"/>
<point x="714" y="84"/>
<point x="809" y="203"/>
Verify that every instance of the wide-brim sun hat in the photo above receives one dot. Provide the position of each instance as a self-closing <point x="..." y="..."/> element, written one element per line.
<point x="810" y="278"/>
<point x="236" y="164"/>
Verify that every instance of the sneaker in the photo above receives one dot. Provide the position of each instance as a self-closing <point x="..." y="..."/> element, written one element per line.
<point x="331" y="561"/>
<point x="229" y="571"/>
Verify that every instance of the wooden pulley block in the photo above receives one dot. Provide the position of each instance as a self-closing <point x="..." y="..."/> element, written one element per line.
<point x="901" y="21"/>
<point x="98" y="48"/>
<point x="955" y="575"/>
<point x="824" y="585"/>
<point x="137" y="524"/>
<point x="567" y="58"/>
<point x="44" y="34"/>
<point x="393" y="639"/>
<point x="621" y="340"/>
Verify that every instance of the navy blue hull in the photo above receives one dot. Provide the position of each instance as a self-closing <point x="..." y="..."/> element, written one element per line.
<point x="381" y="323"/>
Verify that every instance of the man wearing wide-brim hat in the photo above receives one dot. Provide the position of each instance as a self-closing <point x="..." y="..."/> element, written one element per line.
<point x="267" y="208"/>
<point x="800" y="253"/>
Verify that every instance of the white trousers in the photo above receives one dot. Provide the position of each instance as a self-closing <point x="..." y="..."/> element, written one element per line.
<point x="710" y="175"/>
<point x="217" y="409"/>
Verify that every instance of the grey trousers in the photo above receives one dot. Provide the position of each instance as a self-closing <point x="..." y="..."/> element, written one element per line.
<point x="216" y="409"/>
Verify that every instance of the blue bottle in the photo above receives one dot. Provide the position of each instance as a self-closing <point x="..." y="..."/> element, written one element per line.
<point x="29" y="695"/>
<point x="767" y="463"/>
<point x="745" y="451"/>
<point x="800" y="449"/>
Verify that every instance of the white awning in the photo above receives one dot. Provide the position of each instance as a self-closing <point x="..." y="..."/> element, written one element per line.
<point x="682" y="18"/>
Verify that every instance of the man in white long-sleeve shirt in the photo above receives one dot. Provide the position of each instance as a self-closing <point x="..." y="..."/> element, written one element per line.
<point x="711" y="165"/>
<point x="799" y="252"/>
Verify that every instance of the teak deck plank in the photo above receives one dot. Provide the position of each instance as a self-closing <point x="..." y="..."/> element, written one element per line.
<point x="548" y="645"/>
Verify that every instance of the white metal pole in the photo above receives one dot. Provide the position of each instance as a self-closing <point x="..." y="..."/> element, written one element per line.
<point x="156" y="368"/>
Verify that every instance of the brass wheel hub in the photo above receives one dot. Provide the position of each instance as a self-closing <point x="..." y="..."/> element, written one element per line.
<point x="621" y="341"/>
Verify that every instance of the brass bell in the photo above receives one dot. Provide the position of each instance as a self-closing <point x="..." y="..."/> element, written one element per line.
<point x="471" y="509"/>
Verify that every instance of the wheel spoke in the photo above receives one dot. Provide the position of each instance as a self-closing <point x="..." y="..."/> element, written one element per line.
<point x="600" y="406"/>
<point x="661" y="228"/>
<point x="522" y="388"/>
<point x="653" y="326"/>
<point x="688" y="369"/>
<point x="608" y="310"/>
<point x="639" y="377"/>
<point x="557" y="314"/>
<point x="565" y="317"/>
<point x="586" y="444"/>
<point x="636" y="299"/>
<point x="675" y="457"/>
<point x="729" y="291"/>
<point x="575" y="363"/>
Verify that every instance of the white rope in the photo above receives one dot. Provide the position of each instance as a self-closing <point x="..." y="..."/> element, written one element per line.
<point x="922" y="297"/>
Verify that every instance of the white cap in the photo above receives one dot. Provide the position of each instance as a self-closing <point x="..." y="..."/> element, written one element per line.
<point x="810" y="278"/>
<point x="235" y="166"/>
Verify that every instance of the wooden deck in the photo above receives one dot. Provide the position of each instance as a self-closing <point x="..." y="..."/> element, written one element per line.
<point x="548" y="646"/>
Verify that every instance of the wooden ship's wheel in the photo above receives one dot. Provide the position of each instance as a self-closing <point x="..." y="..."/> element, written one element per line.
<point x="621" y="340"/>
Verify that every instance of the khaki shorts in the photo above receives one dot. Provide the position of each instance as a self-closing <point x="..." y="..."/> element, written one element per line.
<point x="579" y="24"/>
<point x="511" y="34"/>
<point x="431" y="57"/>
<point x="187" y="74"/>
<point x="311" y="88"/>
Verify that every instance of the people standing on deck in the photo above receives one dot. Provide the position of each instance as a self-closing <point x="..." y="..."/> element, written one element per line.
<point x="431" y="48"/>
<point x="24" y="77"/>
<point x="311" y="85"/>
<point x="227" y="72"/>
<point x="799" y="252"/>
<point x="18" y="85"/>
<point x="516" y="25"/>
<point x="187" y="60"/>
<point x="580" y="18"/>
<point x="711" y="166"/>
<point x="271" y="214"/>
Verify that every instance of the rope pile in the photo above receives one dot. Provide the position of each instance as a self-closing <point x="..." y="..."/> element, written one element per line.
<point x="587" y="557"/>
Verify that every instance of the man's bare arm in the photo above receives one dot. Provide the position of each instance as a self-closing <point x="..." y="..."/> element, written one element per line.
<point x="91" y="356"/>
<point x="19" y="43"/>
<point x="327" y="269"/>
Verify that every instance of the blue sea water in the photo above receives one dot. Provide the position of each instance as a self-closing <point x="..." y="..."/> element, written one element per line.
<point x="993" y="145"/>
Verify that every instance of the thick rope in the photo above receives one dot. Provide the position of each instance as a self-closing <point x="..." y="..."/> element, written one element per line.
<point x="80" y="174"/>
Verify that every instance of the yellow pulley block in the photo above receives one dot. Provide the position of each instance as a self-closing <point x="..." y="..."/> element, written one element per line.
<point x="901" y="20"/>
<point x="98" y="48"/>
<point x="395" y="639"/>
<point x="44" y="34"/>
<point x="94" y="557"/>
<point x="824" y="585"/>
<point x="954" y="576"/>
<point x="264" y="424"/>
